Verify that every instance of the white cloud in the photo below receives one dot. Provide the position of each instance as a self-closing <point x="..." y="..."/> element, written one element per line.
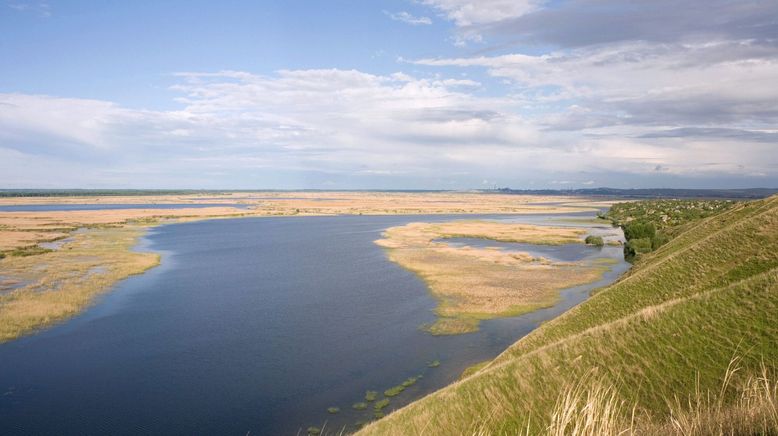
<point x="468" y="13"/>
<point x="286" y="129"/>
<point x="407" y="18"/>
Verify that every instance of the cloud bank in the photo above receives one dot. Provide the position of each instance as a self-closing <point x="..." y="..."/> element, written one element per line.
<point x="647" y="93"/>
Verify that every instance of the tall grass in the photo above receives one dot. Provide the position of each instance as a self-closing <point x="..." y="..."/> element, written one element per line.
<point x="745" y="404"/>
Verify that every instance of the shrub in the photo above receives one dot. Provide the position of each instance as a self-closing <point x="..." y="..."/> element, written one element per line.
<point x="594" y="240"/>
<point x="639" y="230"/>
<point x="658" y="241"/>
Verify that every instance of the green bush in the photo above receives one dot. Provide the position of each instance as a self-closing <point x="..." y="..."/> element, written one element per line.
<point x="594" y="240"/>
<point x="659" y="240"/>
<point x="639" y="230"/>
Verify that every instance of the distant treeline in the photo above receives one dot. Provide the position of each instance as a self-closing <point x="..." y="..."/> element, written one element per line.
<point x="750" y="193"/>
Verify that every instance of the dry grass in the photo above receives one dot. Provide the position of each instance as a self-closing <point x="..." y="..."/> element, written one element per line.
<point x="349" y="203"/>
<point x="472" y="284"/>
<point x="61" y="283"/>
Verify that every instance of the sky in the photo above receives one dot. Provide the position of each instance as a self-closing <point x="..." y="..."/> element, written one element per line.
<point x="403" y="94"/>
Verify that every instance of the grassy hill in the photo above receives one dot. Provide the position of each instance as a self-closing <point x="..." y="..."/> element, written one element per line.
<point x="686" y="342"/>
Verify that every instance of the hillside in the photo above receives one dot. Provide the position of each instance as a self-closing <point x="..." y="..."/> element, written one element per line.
<point x="649" y="354"/>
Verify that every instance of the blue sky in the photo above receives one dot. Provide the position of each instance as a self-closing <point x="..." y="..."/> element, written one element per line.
<point x="426" y="94"/>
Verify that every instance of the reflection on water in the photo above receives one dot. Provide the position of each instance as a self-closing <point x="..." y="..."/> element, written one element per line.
<point x="249" y="325"/>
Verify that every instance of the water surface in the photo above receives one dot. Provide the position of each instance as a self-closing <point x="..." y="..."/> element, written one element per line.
<point x="106" y="206"/>
<point x="249" y="325"/>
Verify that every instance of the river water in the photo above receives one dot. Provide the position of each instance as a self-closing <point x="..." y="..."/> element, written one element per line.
<point x="250" y="325"/>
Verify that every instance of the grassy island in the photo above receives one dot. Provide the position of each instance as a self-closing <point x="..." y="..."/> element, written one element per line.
<point x="472" y="284"/>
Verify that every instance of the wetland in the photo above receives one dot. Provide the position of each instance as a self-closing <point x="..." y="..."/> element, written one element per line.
<point x="264" y="324"/>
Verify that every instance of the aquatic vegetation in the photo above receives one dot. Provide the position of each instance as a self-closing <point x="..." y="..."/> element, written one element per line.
<point x="371" y="395"/>
<point x="409" y="382"/>
<point x="381" y="404"/>
<point x="594" y="240"/>
<point x="359" y="406"/>
<point x="333" y="410"/>
<point x="434" y="364"/>
<point x="394" y="391"/>
<point x="313" y="431"/>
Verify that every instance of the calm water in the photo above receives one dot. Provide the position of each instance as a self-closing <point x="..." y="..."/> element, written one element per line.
<point x="559" y="253"/>
<point x="254" y="324"/>
<point x="106" y="206"/>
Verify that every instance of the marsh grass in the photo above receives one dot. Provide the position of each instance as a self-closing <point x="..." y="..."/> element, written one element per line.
<point x="409" y="382"/>
<point x="61" y="283"/>
<point x="381" y="404"/>
<point x="474" y="284"/>
<point x="371" y="395"/>
<point x="359" y="406"/>
<point x="333" y="410"/>
<point x="394" y="391"/>
<point x="30" y="250"/>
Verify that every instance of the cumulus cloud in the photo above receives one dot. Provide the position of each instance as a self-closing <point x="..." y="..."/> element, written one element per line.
<point x="648" y="86"/>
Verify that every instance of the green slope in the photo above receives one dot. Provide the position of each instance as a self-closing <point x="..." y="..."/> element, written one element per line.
<point x="666" y="330"/>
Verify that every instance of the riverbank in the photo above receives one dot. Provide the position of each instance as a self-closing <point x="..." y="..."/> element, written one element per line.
<point x="676" y="346"/>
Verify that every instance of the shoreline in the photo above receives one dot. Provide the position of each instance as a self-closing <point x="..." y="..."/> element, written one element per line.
<point x="33" y="307"/>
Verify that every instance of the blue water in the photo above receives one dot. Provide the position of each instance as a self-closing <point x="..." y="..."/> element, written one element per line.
<point x="249" y="325"/>
<point x="559" y="253"/>
<point x="106" y="206"/>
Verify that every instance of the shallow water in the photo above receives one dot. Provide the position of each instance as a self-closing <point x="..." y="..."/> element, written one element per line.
<point x="559" y="253"/>
<point x="106" y="206"/>
<point x="249" y="325"/>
